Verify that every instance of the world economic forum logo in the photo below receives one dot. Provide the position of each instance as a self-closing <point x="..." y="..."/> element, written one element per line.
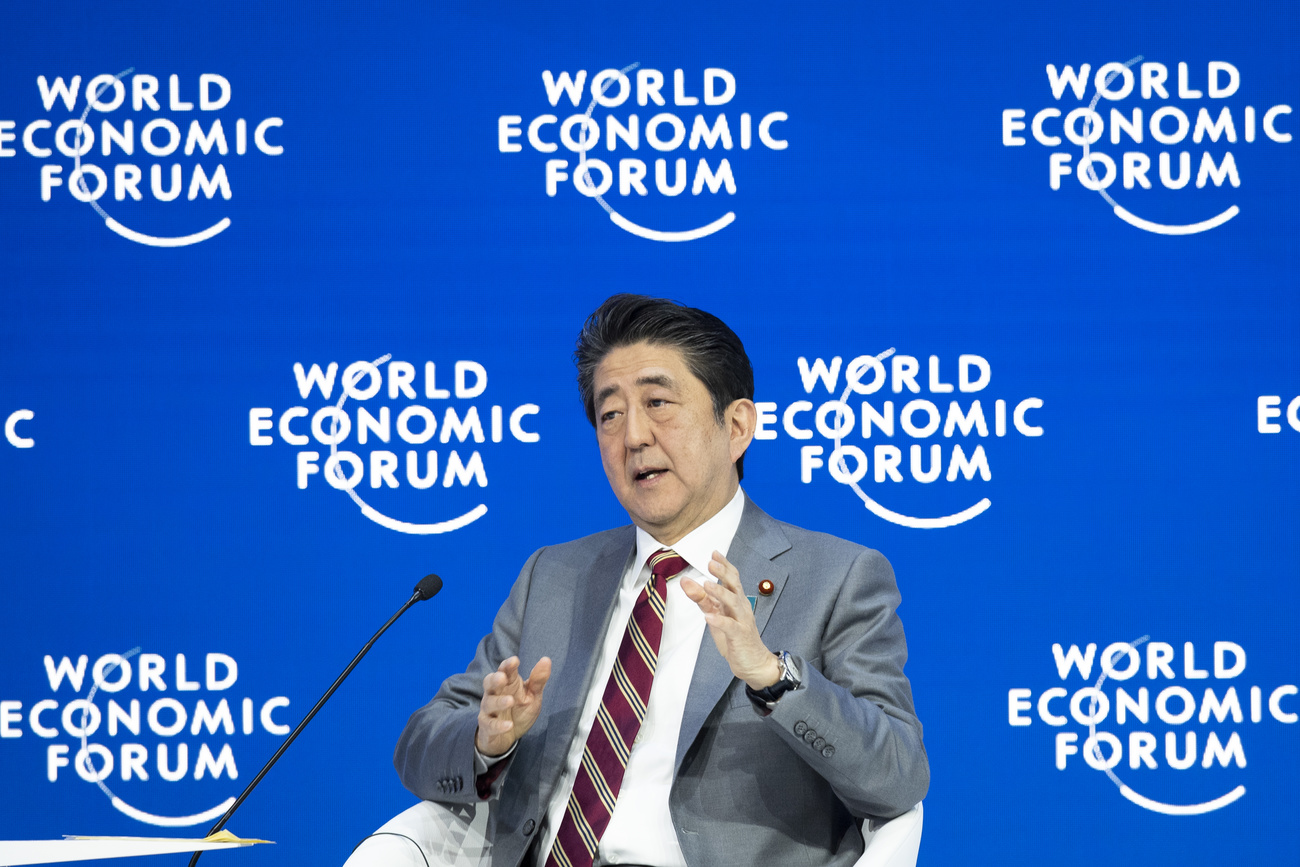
<point x="1169" y="723"/>
<point x="383" y="431"/>
<point x="139" y="148"/>
<point x="894" y="426"/>
<point x="1162" y="144"/>
<point x="160" y="735"/>
<point x="645" y="137"/>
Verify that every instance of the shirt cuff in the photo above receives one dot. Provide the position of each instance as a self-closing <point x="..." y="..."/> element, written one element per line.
<point x="483" y="763"/>
<point x="487" y="769"/>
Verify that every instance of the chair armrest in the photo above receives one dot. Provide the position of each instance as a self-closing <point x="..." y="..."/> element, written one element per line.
<point x="895" y="843"/>
<point x="428" y="835"/>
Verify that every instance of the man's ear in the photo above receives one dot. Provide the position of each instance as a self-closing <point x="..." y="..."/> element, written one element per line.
<point x="741" y="421"/>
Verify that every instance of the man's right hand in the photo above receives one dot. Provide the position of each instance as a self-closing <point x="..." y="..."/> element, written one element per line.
<point x="510" y="705"/>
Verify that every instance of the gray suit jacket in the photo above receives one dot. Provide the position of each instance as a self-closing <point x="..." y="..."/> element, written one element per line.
<point x="783" y="789"/>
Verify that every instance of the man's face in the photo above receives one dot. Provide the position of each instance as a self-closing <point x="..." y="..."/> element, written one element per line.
<point x="669" y="461"/>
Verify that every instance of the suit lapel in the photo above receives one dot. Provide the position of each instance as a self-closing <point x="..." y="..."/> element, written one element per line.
<point x="757" y="541"/>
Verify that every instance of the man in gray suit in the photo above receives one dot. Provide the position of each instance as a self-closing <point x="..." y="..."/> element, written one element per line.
<point x="635" y="739"/>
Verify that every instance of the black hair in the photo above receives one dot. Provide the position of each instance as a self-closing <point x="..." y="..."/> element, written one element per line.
<point x="712" y="351"/>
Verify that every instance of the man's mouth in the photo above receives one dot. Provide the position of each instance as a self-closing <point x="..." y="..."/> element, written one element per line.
<point x="649" y="474"/>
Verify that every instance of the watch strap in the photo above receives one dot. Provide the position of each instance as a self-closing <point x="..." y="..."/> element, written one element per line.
<point x="766" y="698"/>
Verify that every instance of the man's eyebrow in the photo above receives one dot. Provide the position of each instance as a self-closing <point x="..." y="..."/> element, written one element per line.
<point x="661" y="379"/>
<point x="604" y="393"/>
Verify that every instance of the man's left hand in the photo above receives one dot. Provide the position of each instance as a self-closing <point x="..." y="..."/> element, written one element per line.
<point x="731" y="623"/>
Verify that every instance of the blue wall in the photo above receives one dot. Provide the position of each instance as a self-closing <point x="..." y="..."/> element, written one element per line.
<point x="885" y="198"/>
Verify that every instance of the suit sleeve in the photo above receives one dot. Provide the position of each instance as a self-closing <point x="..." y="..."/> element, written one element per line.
<point x="435" y="755"/>
<point x="865" y="737"/>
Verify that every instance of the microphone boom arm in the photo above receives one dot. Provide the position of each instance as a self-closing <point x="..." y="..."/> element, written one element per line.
<point x="424" y="590"/>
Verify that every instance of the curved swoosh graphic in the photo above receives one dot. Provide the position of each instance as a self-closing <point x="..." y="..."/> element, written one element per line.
<point x="1189" y="229"/>
<point x="154" y="241"/>
<point x="922" y="523"/>
<point x="420" y="529"/>
<point x="623" y="222"/>
<point x="907" y="520"/>
<point x="1128" y="216"/>
<point x="655" y="235"/>
<point x="172" y="821"/>
<point x="1182" y="809"/>
<point x="1142" y="800"/>
<point x="392" y="523"/>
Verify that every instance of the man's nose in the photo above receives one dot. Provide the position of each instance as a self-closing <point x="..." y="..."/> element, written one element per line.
<point x="638" y="431"/>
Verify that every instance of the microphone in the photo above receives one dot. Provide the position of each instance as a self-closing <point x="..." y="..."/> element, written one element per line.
<point x="427" y="588"/>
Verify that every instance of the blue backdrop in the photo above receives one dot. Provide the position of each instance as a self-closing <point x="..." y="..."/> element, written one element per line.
<point x="880" y="201"/>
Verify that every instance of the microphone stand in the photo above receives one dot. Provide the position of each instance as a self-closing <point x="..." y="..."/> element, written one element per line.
<point x="428" y="587"/>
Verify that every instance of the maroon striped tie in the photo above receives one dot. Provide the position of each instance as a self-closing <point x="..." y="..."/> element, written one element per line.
<point x="622" y="710"/>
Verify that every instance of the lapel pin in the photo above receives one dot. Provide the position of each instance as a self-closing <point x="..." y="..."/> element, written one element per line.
<point x="765" y="588"/>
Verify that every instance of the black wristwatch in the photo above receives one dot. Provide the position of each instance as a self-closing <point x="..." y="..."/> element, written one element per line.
<point x="765" y="699"/>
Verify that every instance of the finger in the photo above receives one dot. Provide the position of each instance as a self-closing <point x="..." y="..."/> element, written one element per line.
<point x="514" y="680"/>
<point x="490" y="728"/>
<point x="505" y="679"/>
<point x="540" y="675"/>
<point x="726" y="599"/>
<point x="726" y="621"/>
<point x="694" y="590"/>
<point x="725" y="570"/>
<point x="495" y="725"/>
<point x="494" y="683"/>
<point x="720" y="624"/>
<point x="698" y="594"/>
<point x="722" y="569"/>
<point x="718" y="596"/>
<point x="732" y="582"/>
<point x="494" y="706"/>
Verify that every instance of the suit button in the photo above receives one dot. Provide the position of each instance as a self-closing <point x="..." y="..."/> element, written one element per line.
<point x="529" y="827"/>
<point x="819" y="743"/>
<point x="810" y="736"/>
<point x="800" y="727"/>
<point x="828" y="751"/>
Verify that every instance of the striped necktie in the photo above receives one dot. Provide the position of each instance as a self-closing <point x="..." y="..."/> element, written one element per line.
<point x="622" y="710"/>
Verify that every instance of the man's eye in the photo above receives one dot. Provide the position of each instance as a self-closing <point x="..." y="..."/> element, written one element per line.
<point x="658" y="401"/>
<point x="609" y="416"/>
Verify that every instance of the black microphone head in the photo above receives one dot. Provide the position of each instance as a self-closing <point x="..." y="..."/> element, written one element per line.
<point x="428" y="587"/>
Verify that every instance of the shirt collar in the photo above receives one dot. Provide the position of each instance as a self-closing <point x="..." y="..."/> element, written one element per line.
<point x="697" y="546"/>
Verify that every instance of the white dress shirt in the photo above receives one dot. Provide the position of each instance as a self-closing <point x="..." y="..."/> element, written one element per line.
<point x="640" y="831"/>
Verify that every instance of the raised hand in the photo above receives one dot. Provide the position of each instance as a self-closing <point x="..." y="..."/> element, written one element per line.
<point x="510" y="705"/>
<point x="731" y="623"/>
